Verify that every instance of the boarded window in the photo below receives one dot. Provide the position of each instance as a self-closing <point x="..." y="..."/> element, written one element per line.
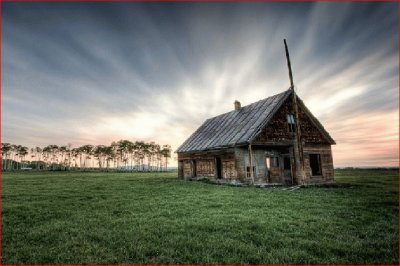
<point x="315" y="164"/>
<point x="291" y="123"/>
<point x="228" y="169"/>
<point x="205" y="168"/>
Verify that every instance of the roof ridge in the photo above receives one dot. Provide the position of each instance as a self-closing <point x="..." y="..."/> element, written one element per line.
<point x="249" y="104"/>
<point x="233" y="127"/>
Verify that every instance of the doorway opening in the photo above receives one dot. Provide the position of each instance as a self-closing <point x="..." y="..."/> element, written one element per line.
<point x="315" y="164"/>
<point x="218" y="167"/>
<point x="286" y="163"/>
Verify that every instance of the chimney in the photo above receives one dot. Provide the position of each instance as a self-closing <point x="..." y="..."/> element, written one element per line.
<point x="237" y="105"/>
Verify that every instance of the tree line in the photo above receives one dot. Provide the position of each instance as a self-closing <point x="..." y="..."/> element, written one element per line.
<point x="121" y="155"/>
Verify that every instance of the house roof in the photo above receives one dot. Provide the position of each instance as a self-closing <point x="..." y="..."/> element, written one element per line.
<point x="239" y="127"/>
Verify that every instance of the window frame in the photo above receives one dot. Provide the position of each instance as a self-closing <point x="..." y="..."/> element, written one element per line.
<point x="248" y="172"/>
<point x="291" y="123"/>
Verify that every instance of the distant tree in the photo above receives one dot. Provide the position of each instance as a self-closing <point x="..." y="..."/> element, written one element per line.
<point x="36" y="155"/>
<point x="146" y="152"/>
<point x="68" y="155"/>
<point x="138" y="155"/>
<point x="50" y="154"/>
<point x="86" y="151"/>
<point x="75" y="154"/>
<point x="115" y="148"/>
<point x="22" y="151"/>
<point x="166" y="153"/>
<point x="157" y="156"/>
<point x="125" y="147"/>
<point x="110" y="155"/>
<point x="63" y="150"/>
<point x="100" y="152"/>
<point x="13" y="156"/>
<point x="5" y="153"/>
<point x="152" y="154"/>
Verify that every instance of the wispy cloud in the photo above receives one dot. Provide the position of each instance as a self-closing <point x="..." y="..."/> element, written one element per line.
<point x="93" y="73"/>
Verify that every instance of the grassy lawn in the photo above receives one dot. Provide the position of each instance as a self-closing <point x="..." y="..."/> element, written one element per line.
<point x="93" y="218"/>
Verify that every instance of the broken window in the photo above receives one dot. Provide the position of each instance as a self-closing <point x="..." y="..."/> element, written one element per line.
<point x="291" y="123"/>
<point x="315" y="164"/>
<point x="248" y="173"/>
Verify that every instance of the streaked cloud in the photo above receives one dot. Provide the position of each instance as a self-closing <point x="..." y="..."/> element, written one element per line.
<point x="97" y="72"/>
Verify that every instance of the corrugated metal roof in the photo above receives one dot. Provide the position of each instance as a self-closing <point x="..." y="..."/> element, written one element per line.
<point x="235" y="127"/>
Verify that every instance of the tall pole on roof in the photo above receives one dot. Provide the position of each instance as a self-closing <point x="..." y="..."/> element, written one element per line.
<point x="289" y="66"/>
<point x="298" y="167"/>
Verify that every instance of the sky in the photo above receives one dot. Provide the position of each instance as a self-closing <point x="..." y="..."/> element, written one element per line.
<point x="93" y="73"/>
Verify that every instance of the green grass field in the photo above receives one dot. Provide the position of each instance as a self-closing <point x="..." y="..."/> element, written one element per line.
<point x="110" y="218"/>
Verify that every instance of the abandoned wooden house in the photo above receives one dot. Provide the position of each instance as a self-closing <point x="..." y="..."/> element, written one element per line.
<point x="276" y="140"/>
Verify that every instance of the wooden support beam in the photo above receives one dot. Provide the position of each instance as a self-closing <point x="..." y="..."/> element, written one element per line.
<point x="251" y="164"/>
<point x="289" y="65"/>
<point x="298" y="168"/>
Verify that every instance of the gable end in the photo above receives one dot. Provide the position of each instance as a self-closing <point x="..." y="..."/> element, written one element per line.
<point x="277" y="131"/>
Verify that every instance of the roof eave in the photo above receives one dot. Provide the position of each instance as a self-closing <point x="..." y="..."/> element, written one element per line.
<point x="215" y="148"/>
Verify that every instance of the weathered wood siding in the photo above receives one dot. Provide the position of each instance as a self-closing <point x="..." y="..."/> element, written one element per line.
<point x="234" y="165"/>
<point x="313" y="141"/>
<point x="309" y="132"/>
<point x="204" y="164"/>
<point x="241" y="160"/>
<point x="261" y="174"/>
<point x="180" y="169"/>
<point x="260" y="165"/>
<point x="325" y="152"/>
<point x="277" y="130"/>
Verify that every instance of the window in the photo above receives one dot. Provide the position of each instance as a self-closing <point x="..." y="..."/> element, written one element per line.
<point x="248" y="173"/>
<point x="275" y="162"/>
<point x="315" y="164"/>
<point x="291" y="123"/>
<point x="271" y="162"/>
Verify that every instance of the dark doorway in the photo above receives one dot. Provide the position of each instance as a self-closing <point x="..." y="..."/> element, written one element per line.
<point x="287" y="170"/>
<point x="315" y="164"/>
<point x="286" y="163"/>
<point x="218" y="167"/>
